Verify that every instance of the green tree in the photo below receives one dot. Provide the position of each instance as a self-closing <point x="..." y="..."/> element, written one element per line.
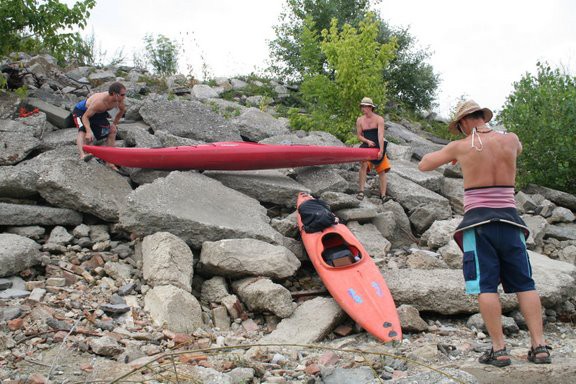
<point x="286" y="49"/>
<point x="42" y="26"/>
<point x="542" y="112"/>
<point x="354" y="68"/>
<point x="162" y="54"/>
<point x="411" y="80"/>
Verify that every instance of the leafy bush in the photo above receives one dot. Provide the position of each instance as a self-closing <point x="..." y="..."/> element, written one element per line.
<point x="355" y="62"/>
<point x="36" y="26"/>
<point x="411" y="80"/>
<point x="542" y="112"/>
<point x="162" y="54"/>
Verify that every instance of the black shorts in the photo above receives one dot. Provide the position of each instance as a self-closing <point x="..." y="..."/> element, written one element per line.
<point x="98" y="123"/>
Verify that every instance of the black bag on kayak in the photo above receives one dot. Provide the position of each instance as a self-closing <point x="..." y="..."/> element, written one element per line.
<point x="316" y="215"/>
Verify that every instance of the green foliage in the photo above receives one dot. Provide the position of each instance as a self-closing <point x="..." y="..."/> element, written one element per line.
<point x="36" y="26"/>
<point x="411" y="81"/>
<point x="286" y="49"/>
<point x="355" y="62"/>
<point x="542" y="112"/>
<point x="21" y="92"/>
<point x="162" y="54"/>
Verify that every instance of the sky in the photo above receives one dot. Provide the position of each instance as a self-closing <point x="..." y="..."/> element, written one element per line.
<point x="479" y="49"/>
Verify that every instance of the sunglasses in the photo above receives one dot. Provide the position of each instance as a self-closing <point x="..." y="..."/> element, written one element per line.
<point x="122" y="94"/>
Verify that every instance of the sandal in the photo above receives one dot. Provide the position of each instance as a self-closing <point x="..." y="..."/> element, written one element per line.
<point x="533" y="352"/>
<point x="88" y="157"/>
<point x="385" y="198"/>
<point x="360" y="195"/>
<point x="491" y="357"/>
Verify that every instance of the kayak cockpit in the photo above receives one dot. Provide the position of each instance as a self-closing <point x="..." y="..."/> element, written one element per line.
<point x="337" y="252"/>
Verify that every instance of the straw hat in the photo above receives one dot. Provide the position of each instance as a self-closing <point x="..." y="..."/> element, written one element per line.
<point x="367" y="101"/>
<point x="465" y="108"/>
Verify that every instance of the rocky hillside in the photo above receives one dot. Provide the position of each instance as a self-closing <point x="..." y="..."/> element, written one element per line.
<point x="195" y="276"/>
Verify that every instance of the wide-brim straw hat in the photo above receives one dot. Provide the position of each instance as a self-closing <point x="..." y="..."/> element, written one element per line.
<point x="463" y="109"/>
<point x="368" y="102"/>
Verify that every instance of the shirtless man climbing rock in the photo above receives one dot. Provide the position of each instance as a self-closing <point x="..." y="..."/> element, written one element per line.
<point x="91" y="118"/>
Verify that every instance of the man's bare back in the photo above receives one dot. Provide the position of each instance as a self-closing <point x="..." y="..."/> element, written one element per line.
<point x="487" y="158"/>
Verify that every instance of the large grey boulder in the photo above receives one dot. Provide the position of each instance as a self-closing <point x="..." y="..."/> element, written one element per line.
<point x="408" y="170"/>
<point x="442" y="290"/>
<point x="18" y="181"/>
<point x="173" y="308"/>
<point x="19" y="214"/>
<point x="561" y="198"/>
<point x="453" y="190"/>
<point x="305" y="138"/>
<point x="424" y="206"/>
<point x="16" y="141"/>
<point x="375" y="244"/>
<point x="137" y="135"/>
<point x="170" y="140"/>
<point x="256" y="125"/>
<point x="262" y="295"/>
<point x="320" y="179"/>
<point x="555" y="280"/>
<point x="167" y="260"/>
<point x="190" y="119"/>
<point x="85" y="187"/>
<point x="59" y="138"/>
<point x="394" y="225"/>
<point x="203" y="91"/>
<point x="56" y="115"/>
<point x="435" y="290"/>
<point x="267" y="186"/>
<point x="236" y="258"/>
<point x="310" y="322"/>
<point x="440" y="233"/>
<point x="195" y="208"/>
<point x="17" y="253"/>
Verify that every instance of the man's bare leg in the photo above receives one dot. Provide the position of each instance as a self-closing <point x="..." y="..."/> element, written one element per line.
<point x="531" y="309"/>
<point x="383" y="183"/>
<point x="111" y="142"/>
<point x="491" y="311"/>
<point x="362" y="176"/>
<point x="80" y="139"/>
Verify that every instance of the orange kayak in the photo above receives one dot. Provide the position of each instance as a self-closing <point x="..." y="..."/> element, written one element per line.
<point x="352" y="278"/>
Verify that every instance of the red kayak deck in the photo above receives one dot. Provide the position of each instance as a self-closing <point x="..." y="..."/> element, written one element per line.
<point x="353" y="279"/>
<point x="231" y="156"/>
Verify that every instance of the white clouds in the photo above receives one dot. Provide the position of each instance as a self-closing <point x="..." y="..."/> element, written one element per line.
<point x="482" y="48"/>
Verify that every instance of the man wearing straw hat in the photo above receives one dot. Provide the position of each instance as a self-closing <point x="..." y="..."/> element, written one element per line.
<point x="492" y="235"/>
<point x="370" y="132"/>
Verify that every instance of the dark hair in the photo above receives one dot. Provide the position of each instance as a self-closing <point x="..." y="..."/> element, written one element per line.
<point x="116" y="87"/>
<point x="476" y="115"/>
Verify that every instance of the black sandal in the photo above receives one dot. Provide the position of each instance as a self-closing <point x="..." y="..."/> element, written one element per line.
<point x="491" y="357"/>
<point x="88" y="157"/>
<point x="538" y="350"/>
<point x="385" y="198"/>
<point x="360" y="195"/>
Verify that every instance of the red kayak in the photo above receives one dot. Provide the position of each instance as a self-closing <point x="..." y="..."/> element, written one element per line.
<point x="231" y="156"/>
<point x="352" y="277"/>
